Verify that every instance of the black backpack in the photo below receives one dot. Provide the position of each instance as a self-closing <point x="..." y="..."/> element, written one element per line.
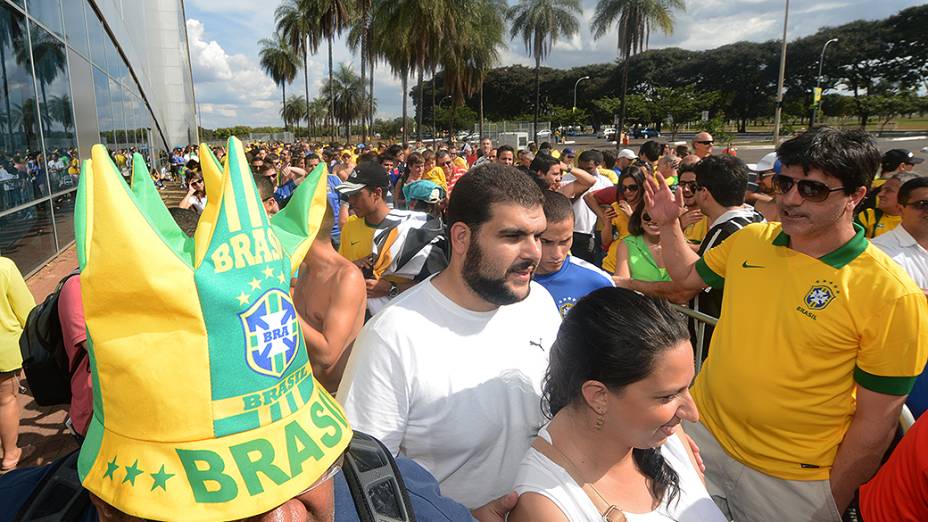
<point x="45" y="361"/>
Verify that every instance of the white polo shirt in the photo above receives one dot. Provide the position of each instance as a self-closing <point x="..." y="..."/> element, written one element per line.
<point x="902" y="247"/>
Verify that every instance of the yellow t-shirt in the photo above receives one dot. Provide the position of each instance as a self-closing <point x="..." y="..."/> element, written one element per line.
<point x="609" y="173"/>
<point x="619" y="223"/>
<point x="15" y="304"/>
<point x="696" y="232"/>
<point x="874" y="227"/>
<point x="437" y="176"/>
<point x="778" y="392"/>
<point x="460" y="162"/>
<point x="357" y="240"/>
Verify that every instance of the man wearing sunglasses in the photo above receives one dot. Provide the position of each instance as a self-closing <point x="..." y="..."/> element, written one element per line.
<point x="798" y="409"/>
<point x="702" y="144"/>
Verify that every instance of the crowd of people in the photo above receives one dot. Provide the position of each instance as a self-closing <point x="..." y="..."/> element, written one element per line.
<point x="507" y="323"/>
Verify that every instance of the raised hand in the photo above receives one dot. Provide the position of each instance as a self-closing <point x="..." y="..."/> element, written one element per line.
<point x="661" y="203"/>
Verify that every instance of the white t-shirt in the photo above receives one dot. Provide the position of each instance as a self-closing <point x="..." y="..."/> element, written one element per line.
<point x="537" y="474"/>
<point x="902" y="247"/>
<point x="584" y="218"/>
<point x="458" y="391"/>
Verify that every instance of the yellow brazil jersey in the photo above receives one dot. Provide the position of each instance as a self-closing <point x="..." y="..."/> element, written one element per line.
<point x="876" y="222"/>
<point x="357" y="241"/>
<point x="794" y="337"/>
<point x="460" y="162"/>
<point x="619" y="223"/>
<point x="609" y="174"/>
<point x="437" y="176"/>
<point x="697" y="231"/>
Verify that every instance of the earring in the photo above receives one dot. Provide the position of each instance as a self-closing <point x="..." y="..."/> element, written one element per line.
<point x="600" y="419"/>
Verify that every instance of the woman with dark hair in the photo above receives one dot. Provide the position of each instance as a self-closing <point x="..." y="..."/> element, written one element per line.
<point x="196" y="194"/>
<point x="415" y="168"/>
<point x="625" y="197"/>
<point x="617" y="389"/>
<point x="639" y="255"/>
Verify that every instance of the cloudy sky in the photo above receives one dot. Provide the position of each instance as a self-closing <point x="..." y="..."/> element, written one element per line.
<point x="231" y="88"/>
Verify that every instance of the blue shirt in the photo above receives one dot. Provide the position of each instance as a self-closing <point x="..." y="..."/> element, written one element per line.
<point x="575" y="279"/>
<point x="335" y="202"/>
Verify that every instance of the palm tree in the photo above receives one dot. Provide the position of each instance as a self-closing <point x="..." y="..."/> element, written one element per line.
<point x="394" y="49"/>
<point x="332" y="17"/>
<point x="294" y="111"/>
<point x="316" y="110"/>
<point x="297" y="23"/>
<point x="280" y="62"/>
<point x="467" y="58"/>
<point x="49" y="60"/>
<point x="423" y="26"/>
<point x="634" y="19"/>
<point x="59" y="107"/>
<point x="359" y="39"/>
<point x="351" y="103"/>
<point x="540" y="23"/>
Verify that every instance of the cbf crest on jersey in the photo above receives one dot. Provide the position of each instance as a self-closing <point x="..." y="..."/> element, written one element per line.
<point x="205" y="407"/>
<point x="820" y="295"/>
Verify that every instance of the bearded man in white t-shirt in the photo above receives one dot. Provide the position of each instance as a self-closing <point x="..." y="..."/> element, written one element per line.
<point x="449" y="374"/>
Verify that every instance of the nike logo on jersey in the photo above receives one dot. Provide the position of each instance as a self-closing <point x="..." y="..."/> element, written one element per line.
<point x="746" y="265"/>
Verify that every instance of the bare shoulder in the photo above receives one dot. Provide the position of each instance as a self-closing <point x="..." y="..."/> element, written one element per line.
<point x="535" y="506"/>
<point x="348" y="274"/>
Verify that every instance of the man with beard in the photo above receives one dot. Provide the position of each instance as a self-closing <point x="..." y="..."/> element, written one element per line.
<point x="797" y="410"/>
<point x="449" y="374"/>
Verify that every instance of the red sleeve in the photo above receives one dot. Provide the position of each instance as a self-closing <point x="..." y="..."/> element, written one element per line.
<point x="71" y="314"/>
<point x="900" y="488"/>
<point x="605" y="196"/>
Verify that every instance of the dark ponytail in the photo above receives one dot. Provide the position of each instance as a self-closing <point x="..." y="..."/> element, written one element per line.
<point x="613" y="336"/>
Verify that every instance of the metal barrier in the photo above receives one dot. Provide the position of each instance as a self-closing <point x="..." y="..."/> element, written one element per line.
<point x="906" y="419"/>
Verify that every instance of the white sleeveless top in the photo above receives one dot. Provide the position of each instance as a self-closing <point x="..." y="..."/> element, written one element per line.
<point x="538" y="474"/>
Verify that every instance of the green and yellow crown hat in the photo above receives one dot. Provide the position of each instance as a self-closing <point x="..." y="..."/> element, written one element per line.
<point x="205" y="407"/>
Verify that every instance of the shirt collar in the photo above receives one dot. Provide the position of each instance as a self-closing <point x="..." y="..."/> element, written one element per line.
<point x="841" y="256"/>
<point x="903" y="237"/>
<point x="743" y="211"/>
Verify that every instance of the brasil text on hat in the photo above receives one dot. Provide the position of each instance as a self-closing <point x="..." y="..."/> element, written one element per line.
<point x="367" y="174"/>
<point x="205" y="407"/>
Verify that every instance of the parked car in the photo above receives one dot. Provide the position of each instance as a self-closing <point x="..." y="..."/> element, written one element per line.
<point x="645" y="133"/>
<point x="605" y="131"/>
<point x="544" y="133"/>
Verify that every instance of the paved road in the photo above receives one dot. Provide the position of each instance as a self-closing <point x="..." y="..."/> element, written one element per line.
<point x="752" y="153"/>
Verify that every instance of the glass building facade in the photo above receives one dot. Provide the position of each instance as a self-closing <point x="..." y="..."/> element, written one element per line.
<point x="74" y="73"/>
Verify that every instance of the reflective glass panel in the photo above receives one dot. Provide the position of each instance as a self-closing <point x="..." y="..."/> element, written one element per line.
<point x="56" y="114"/>
<point x="118" y="95"/>
<point x="27" y="236"/>
<point x="19" y="128"/>
<point x="48" y="12"/>
<point x="98" y="39"/>
<point x="63" y="206"/>
<point x="74" y="26"/>
<point x="104" y="107"/>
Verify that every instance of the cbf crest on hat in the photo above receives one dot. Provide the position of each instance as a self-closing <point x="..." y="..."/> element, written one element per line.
<point x="205" y="406"/>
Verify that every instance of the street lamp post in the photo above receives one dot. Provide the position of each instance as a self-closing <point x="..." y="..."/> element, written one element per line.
<point x="818" y="83"/>
<point x="575" y="91"/>
<point x="779" y="108"/>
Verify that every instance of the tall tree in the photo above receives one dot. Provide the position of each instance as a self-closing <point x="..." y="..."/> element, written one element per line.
<point x="540" y="23"/>
<point x="334" y="16"/>
<point x="297" y="22"/>
<point x="634" y="19"/>
<point x="351" y="103"/>
<point x="280" y="62"/>
<point x="294" y="111"/>
<point x="360" y="36"/>
<point x="393" y="47"/>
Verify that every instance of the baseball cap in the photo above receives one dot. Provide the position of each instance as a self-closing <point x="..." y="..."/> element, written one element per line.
<point x="768" y="162"/>
<point x="424" y="190"/>
<point x="367" y="174"/>
<point x="205" y="405"/>
<point x="895" y="157"/>
<point x="627" y="153"/>
<point x="568" y="152"/>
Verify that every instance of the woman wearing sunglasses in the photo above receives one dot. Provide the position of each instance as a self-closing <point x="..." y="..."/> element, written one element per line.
<point x="613" y="207"/>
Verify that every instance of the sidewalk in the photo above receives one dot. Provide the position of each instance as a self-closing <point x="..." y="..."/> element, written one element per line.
<point x="42" y="434"/>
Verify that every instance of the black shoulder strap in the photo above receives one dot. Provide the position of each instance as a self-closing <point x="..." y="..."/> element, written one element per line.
<point x="59" y="496"/>
<point x="375" y="483"/>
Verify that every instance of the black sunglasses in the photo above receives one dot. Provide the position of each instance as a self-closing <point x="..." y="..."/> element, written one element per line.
<point x="814" y="191"/>
<point x="705" y="142"/>
<point x="630" y="188"/>
<point x="921" y="205"/>
<point x="693" y="186"/>
<point x="646" y="217"/>
<point x="445" y="164"/>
